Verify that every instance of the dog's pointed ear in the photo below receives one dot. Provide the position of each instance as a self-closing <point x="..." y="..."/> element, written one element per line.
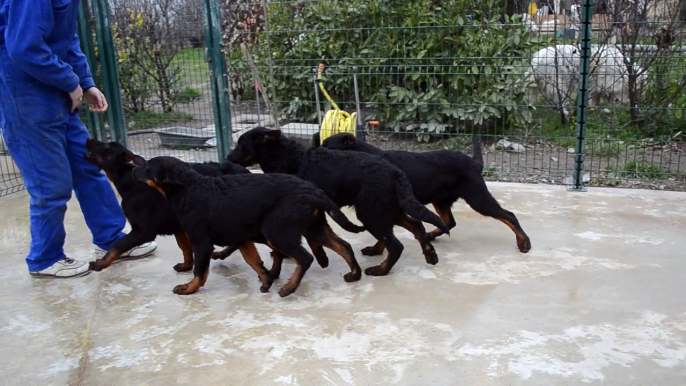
<point x="167" y="176"/>
<point x="350" y="140"/>
<point x="271" y="136"/>
<point x="135" y="159"/>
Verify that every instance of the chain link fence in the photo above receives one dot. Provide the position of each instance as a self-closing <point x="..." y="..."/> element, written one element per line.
<point x="10" y="178"/>
<point x="431" y="73"/>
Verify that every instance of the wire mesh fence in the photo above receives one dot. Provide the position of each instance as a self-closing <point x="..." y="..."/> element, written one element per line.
<point x="10" y="178"/>
<point x="431" y="73"/>
<point x="164" y="77"/>
<point x="435" y="73"/>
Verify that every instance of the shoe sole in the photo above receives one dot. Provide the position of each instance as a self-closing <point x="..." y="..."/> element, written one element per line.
<point x="131" y="258"/>
<point x="46" y="276"/>
<point x="128" y="258"/>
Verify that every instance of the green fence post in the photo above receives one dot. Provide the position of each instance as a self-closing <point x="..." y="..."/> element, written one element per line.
<point x="96" y="123"/>
<point x="108" y="66"/>
<point x="582" y="96"/>
<point x="219" y="78"/>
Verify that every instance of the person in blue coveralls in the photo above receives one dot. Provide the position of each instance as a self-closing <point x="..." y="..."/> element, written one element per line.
<point x="45" y="76"/>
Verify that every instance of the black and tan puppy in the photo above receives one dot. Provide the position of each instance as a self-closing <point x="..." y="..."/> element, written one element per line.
<point x="380" y="192"/>
<point x="144" y="207"/>
<point x="233" y="210"/>
<point x="441" y="178"/>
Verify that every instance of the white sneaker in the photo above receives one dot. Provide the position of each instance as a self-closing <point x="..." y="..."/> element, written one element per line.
<point x="139" y="252"/>
<point x="64" y="268"/>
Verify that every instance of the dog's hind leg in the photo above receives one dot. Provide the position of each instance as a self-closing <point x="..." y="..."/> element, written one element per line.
<point x="253" y="259"/>
<point x="326" y="236"/>
<point x="375" y="250"/>
<point x="129" y="241"/>
<point x="303" y="260"/>
<point x="283" y="236"/>
<point x="395" y="249"/>
<point x="318" y="252"/>
<point x="184" y="244"/>
<point x="480" y="199"/>
<point x="445" y="212"/>
<point x="277" y="260"/>
<point x="378" y="248"/>
<point x="203" y="253"/>
<point x="224" y="253"/>
<point x="417" y="229"/>
<point x="384" y="233"/>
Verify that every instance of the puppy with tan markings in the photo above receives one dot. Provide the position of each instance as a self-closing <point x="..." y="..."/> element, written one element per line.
<point x="379" y="191"/>
<point x="144" y="207"/>
<point x="234" y="210"/>
<point x="441" y="177"/>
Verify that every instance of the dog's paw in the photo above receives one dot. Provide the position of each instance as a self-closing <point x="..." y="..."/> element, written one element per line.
<point x="431" y="236"/>
<point x="287" y="289"/>
<point x="431" y="258"/>
<point x="370" y="251"/>
<point x="180" y="289"/>
<point x="524" y="245"/>
<point x="185" y="289"/>
<point x="375" y="271"/>
<point x="218" y="256"/>
<point x="266" y="283"/>
<point x="96" y="266"/>
<point x="182" y="267"/>
<point x="323" y="260"/>
<point x="352" y="276"/>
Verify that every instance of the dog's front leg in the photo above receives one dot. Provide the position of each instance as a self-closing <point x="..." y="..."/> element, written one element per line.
<point x="203" y="254"/>
<point x="122" y="245"/>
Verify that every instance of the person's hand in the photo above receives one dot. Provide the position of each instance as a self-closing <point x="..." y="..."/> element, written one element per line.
<point x="76" y="97"/>
<point x="96" y="100"/>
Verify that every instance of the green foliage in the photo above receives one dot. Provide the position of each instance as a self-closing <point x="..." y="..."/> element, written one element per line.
<point x="188" y="95"/>
<point x="145" y="58"/>
<point x="423" y="67"/>
<point x="135" y="82"/>
<point x="490" y="171"/>
<point x="643" y="170"/>
<point x="145" y="120"/>
<point x="605" y="147"/>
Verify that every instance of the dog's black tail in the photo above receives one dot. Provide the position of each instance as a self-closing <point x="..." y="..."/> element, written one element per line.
<point x="478" y="156"/>
<point x="334" y="211"/>
<point x="409" y="203"/>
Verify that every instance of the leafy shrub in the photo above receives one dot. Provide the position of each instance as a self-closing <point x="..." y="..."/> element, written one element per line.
<point x="425" y="66"/>
<point x="188" y="95"/>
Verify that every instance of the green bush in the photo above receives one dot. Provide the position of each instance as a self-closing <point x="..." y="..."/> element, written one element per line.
<point x="431" y="67"/>
<point x="643" y="170"/>
<point x="188" y="95"/>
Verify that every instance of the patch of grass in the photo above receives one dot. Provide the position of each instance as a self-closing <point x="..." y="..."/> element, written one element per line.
<point x="643" y="171"/>
<point x="605" y="148"/>
<point x="145" y="120"/>
<point x="490" y="171"/>
<point x="548" y="125"/>
<point x="188" y="95"/>
<point x="455" y="142"/>
<point x="408" y="142"/>
<point x="191" y="61"/>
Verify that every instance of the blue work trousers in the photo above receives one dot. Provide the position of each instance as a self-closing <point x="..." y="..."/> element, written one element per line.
<point x="47" y="143"/>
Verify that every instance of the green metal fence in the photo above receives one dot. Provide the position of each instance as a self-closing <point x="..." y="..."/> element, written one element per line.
<point x="432" y="73"/>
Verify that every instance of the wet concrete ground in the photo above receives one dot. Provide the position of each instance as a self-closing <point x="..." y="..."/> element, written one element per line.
<point x="599" y="299"/>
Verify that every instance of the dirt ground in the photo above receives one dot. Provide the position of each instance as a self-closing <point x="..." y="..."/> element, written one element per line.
<point x="544" y="161"/>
